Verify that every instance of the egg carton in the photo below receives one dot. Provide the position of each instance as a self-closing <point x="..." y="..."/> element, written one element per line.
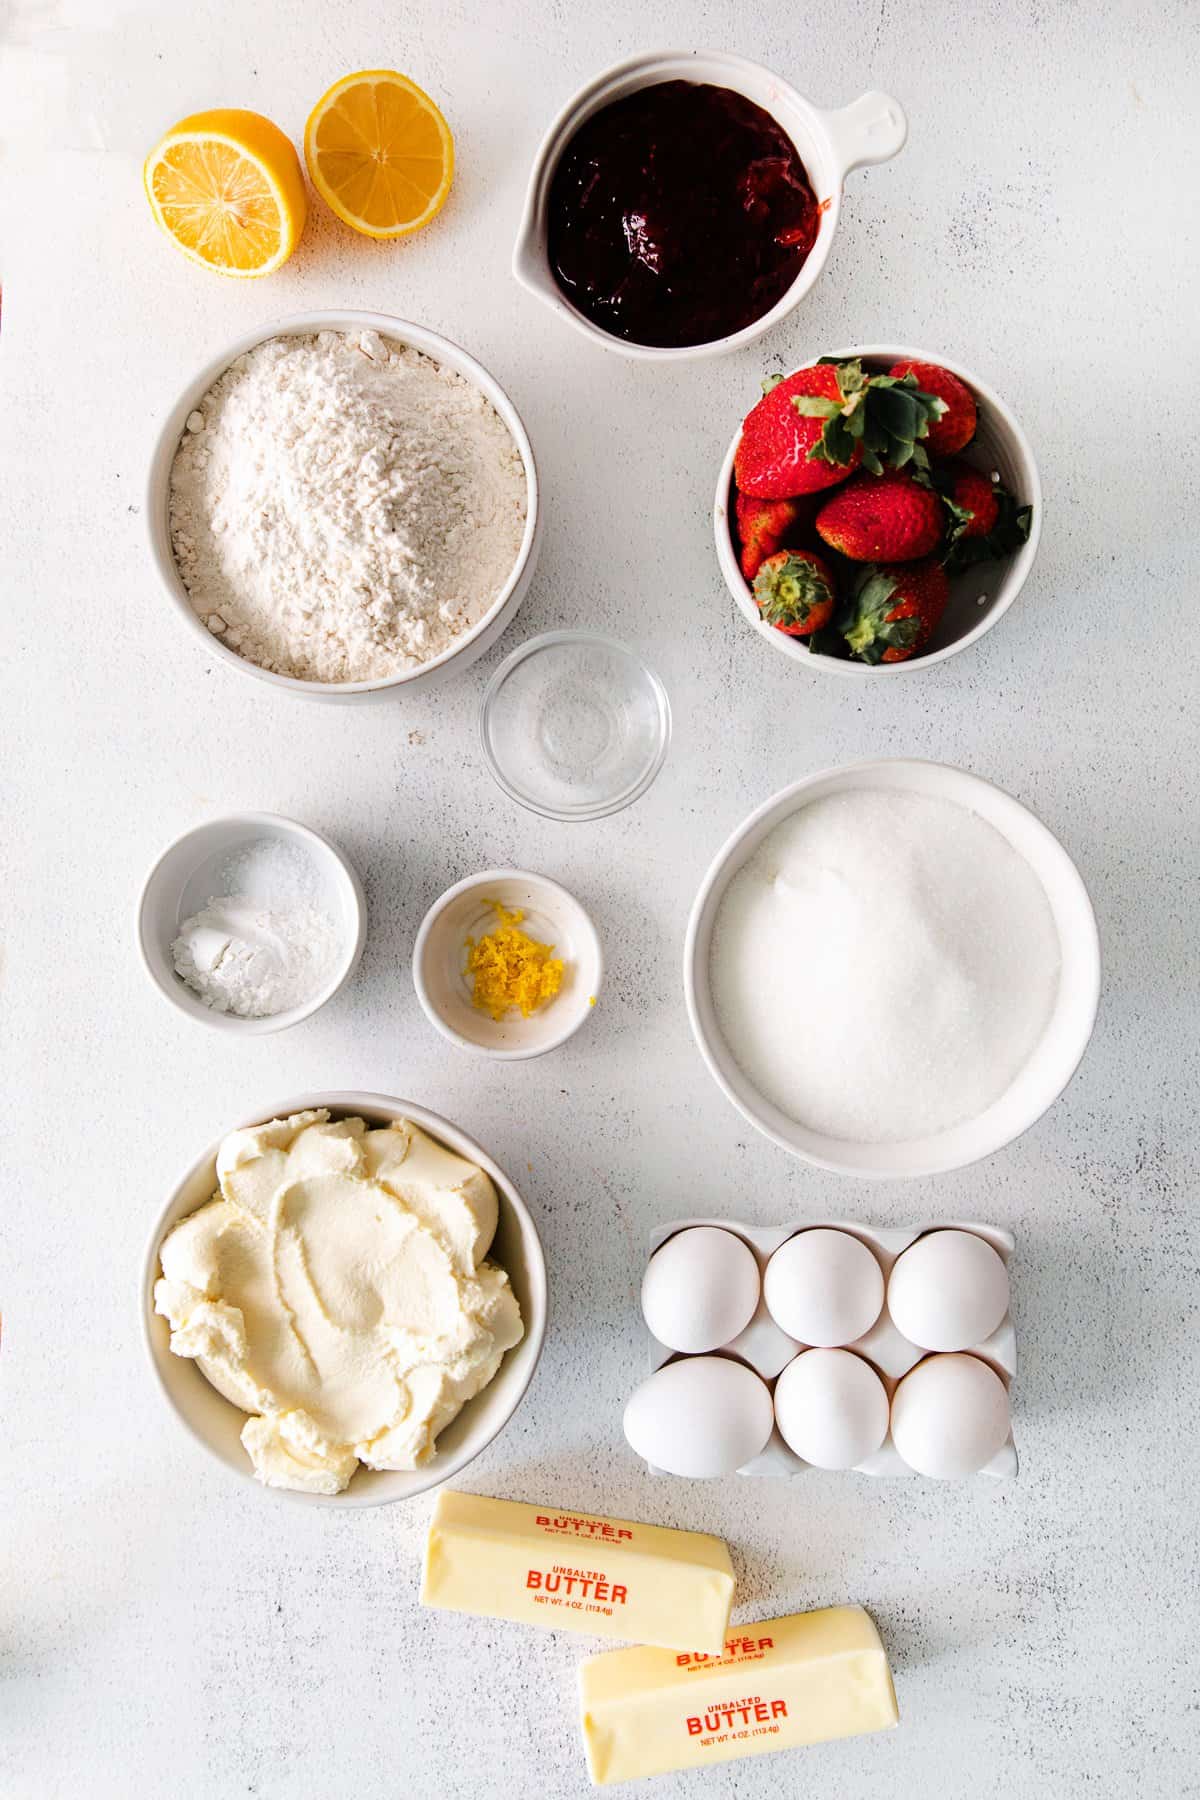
<point x="768" y="1349"/>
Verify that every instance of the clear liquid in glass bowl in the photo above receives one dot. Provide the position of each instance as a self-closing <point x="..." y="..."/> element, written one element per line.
<point x="574" y="725"/>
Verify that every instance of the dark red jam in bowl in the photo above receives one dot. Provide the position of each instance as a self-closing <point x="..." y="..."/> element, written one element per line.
<point x="679" y="214"/>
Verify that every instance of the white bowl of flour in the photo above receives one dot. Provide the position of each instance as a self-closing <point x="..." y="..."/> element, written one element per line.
<point x="344" y="505"/>
<point x="892" y="969"/>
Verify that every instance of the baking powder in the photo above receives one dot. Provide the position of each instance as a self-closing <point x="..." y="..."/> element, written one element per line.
<point x="265" y="944"/>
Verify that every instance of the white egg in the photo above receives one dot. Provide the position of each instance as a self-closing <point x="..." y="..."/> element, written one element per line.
<point x="824" y="1287"/>
<point x="948" y="1291"/>
<point x="701" y="1289"/>
<point x="832" y="1408"/>
<point x="701" y="1416"/>
<point x="950" y="1416"/>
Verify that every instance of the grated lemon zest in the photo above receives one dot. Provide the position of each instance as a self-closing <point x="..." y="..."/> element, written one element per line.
<point x="509" y="969"/>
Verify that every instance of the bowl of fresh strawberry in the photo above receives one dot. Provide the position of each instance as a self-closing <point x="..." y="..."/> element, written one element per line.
<point x="877" y="511"/>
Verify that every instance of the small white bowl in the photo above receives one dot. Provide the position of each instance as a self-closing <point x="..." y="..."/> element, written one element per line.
<point x="979" y="596"/>
<point x="552" y="916"/>
<point x="830" y="144"/>
<point x="1053" y="1061"/>
<point x="466" y="649"/>
<point x="217" y="1425"/>
<point x="188" y="875"/>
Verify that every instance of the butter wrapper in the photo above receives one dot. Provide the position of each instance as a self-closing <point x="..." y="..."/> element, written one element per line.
<point x="573" y="1571"/>
<point x="776" y="1685"/>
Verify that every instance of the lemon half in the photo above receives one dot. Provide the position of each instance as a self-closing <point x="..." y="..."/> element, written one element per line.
<point x="379" y="153"/>
<point x="227" y="188"/>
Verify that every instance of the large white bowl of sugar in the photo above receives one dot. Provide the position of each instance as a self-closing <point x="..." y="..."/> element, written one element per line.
<point x="892" y="968"/>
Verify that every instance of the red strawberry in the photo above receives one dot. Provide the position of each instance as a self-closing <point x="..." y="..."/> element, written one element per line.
<point x="895" y="611"/>
<point x="882" y="518"/>
<point x="795" y="592"/>
<point x="955" y="428"/>
<point x="762" y="526"/>
<point x="986" y="523"/>
<point x="971" y="491"/>
<point x="779" y="452"/>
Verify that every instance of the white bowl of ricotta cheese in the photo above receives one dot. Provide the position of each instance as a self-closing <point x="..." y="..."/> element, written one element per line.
<point x="279" y="1402"/>
<point x="344" y="505"/>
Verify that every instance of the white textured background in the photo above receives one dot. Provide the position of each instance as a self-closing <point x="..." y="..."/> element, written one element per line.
<point x="165" y="1629"/>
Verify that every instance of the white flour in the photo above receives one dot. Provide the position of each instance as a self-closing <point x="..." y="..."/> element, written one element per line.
<point x="342" y="508"/>
<point x="884" y="965"/>
<point x="266" y="943"/>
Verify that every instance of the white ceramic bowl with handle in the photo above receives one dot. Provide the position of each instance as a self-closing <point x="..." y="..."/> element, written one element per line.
<point x="979" y="596"/>
<point x="465" y="649"/>
<point x="216" y="1424"/>
<point x="1055" y="1057"/>
<point x="830" y="144"/>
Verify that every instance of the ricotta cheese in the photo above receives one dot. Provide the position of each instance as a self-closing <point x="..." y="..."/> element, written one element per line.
<point x="336" y="1288"/>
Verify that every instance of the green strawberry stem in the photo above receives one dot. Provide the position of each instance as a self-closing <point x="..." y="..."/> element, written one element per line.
<point x="958" y="519"/>
<point x="1007" y="535"/>
<point x="867" y="629"/>
<point x="884" y="415"/>
<point x="787" y="592"/>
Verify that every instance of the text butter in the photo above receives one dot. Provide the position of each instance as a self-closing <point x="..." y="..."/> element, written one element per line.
<point x="578" y="1572"/>
<point x="778" y="1684"/>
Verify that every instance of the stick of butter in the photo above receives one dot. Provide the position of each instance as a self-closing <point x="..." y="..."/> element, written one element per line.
<point x="777" y="1684"/>
<point x="578" y="1572"/>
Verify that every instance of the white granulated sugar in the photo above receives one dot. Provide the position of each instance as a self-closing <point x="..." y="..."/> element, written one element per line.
<point x="883" y="966"/>
<point x="343" y="508"/>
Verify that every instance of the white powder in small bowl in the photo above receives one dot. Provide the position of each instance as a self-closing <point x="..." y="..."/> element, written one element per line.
<point x="265" y="942"/>
<point x="883" y="966"/>
<point x="343" y="508"/>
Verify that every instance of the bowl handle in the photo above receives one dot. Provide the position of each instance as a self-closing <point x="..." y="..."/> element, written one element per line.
<point x="870" y="130"/>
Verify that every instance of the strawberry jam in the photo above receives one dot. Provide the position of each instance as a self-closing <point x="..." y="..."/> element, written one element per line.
<point x="679" y="214"/>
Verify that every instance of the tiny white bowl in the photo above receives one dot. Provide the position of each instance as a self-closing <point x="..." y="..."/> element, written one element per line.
<point x="830" y="144"/>
<point x="464" y="650"/>
<point x="217" y="1425"/>
<point x="1054" y="1059"/>
<point x="187" y="875"/>
<point x="979" y="596"/>
<point x="552" y="916"/>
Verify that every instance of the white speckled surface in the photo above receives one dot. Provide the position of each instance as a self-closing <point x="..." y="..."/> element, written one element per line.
<point x="162" y="1627"/>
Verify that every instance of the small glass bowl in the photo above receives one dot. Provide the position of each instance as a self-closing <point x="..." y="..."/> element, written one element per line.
<point x="574" y="725"/>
